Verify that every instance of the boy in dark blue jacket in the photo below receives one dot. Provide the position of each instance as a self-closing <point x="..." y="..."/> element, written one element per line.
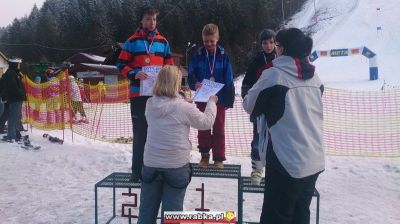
<point x="211" y="62"/>
<point x="262" y="61"/>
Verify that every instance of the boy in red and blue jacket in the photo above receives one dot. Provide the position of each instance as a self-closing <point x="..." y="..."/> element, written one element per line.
<point x="146" y="47"/>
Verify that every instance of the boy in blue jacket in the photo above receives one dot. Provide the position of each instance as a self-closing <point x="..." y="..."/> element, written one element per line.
<point x="211" y="62"/>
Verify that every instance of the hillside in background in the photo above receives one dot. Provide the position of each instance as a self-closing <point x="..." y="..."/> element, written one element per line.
<point x="337" y="24"/>
<point x="95" y="25"/>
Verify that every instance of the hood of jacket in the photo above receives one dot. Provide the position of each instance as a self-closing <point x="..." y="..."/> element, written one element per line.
<point x="143" y="33"/>
<point x="161" y="106"/>
<point x="299" y="68"/>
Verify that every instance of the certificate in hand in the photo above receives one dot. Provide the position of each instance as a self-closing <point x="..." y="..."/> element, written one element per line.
<point x="208" y="88"/>
<point x="146" y="86"/>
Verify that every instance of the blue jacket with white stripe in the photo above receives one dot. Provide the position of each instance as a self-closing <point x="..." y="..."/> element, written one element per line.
<point x="199" y="69"/>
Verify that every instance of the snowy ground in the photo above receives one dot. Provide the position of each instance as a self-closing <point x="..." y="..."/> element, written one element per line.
<point x="56" y="183"/>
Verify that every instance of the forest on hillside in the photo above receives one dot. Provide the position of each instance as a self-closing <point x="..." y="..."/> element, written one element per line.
<point x="61" y="28"/>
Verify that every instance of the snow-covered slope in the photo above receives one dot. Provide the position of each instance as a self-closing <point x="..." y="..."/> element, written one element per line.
<point x="349" y="24"/>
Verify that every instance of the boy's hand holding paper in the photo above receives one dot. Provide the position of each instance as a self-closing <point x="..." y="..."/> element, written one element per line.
<point x="146" y="85"/>
<point x="207" y="89"/>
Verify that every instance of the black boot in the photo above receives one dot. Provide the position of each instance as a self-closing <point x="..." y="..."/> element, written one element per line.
<point x="18" y="136"/>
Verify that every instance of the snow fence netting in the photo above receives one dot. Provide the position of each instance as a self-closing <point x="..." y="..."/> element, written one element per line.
<point x="358" y="123"/>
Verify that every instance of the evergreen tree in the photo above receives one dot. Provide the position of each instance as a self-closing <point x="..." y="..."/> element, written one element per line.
<point x="77" y="24"/>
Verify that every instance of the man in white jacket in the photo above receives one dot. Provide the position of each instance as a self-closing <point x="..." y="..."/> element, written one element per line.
<point x="288" y="97"/>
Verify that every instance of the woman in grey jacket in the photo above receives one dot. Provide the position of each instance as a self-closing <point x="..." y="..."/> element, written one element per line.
<point x="288" y="98"/>
<point x="166" y="171"/>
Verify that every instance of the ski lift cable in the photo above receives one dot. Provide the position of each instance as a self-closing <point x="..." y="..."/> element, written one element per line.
<point x="315" y="9"/>
<point x="169" y="12"/>
<point x="54" y="48"/>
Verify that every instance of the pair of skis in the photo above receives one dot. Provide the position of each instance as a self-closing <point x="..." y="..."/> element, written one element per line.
<point x="24" y="143"/>
<point x="27" y="144"/>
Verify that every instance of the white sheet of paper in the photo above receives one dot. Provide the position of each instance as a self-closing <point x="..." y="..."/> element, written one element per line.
<point x="146" y="86"/>
<point x="209" y="88"/>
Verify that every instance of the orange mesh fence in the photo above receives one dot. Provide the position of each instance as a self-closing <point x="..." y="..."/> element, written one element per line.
<point x="106" y="112"/>
<point x="47" y="106"/>
<point x="238" y="131"/>
<point x="110" y="93"/>
<point x="355" y="123"/>
<point x="362" y="123"/>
